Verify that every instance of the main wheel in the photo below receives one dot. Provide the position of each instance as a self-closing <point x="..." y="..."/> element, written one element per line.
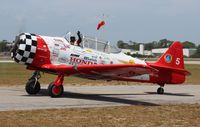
<point x="160" y="90"/>
<point x="55" y="91"/>
<point x="32" y="86"/>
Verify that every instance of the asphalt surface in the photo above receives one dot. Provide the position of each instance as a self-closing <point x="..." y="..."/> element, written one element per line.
<point x="15" y="98"/>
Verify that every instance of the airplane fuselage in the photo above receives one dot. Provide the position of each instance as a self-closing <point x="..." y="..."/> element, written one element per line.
<point x="62" y="52"/>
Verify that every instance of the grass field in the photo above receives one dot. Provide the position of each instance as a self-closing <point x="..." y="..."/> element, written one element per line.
<point x="125" y="116"/>
<point x="135" y="116"/>
<point x="16" y="74"/>
<point x="194" y="78"/>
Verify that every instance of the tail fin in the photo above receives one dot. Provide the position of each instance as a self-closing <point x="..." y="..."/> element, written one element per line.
<point x="171" y="65"/>
<point x="173" y="57"/>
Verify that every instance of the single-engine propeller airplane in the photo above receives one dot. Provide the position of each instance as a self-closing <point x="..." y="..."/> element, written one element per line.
<point x="93" y="59"/>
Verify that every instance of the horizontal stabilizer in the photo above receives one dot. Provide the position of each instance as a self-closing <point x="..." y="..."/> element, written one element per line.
<point x="176" y="70"/>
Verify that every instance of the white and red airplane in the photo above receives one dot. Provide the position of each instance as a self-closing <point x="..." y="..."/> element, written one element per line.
<point x="92" y="59"/>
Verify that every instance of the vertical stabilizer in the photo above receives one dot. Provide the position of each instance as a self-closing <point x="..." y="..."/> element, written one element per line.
<point x="173" y="57"/>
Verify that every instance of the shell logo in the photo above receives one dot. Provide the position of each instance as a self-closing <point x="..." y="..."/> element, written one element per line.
<point x="127" y="62"/>
<point x="131" y="61"/>
<point x="88" y="50"/>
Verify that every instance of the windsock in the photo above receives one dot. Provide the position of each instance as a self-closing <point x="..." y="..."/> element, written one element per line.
<point x="100" y="24"/>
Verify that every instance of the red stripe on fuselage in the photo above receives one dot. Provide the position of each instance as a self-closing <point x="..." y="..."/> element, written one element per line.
<point x="42" y="53"/>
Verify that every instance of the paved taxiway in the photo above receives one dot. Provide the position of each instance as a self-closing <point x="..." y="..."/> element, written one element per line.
<point x="15" y="98"/>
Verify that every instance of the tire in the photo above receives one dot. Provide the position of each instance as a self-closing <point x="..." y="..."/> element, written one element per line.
<point x="160" y="90"/>
<point x="55" y="91"/>
<point x="32" y="87"/>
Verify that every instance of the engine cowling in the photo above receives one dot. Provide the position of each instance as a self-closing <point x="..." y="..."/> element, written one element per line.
<point x="24" y="49"/>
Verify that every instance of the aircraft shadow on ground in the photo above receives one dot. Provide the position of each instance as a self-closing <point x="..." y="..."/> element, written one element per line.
<point x="172" y="94"/>
<point x="100" y="97"/>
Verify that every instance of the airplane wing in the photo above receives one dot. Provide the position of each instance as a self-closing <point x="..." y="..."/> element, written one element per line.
<point x="106" y="70"/>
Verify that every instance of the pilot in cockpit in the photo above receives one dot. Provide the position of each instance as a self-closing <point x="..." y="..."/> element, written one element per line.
<point x="73" y="40"/>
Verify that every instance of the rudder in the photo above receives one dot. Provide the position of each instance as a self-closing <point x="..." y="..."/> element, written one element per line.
<point x="173" y="57"/>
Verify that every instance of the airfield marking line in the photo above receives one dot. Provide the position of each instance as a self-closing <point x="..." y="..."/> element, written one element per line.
<point x="6" y="61"/>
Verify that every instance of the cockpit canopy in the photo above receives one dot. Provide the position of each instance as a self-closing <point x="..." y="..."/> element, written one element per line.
<point x="96" y="44"/>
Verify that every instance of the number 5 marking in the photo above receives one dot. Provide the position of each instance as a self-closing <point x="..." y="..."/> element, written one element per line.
<point x="178" y="61"/>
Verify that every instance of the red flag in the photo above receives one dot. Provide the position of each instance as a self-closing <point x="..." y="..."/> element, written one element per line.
<point x="100" y="24"/>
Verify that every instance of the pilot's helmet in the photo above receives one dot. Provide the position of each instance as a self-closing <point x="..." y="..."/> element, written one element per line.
<point x="72" y="39"/>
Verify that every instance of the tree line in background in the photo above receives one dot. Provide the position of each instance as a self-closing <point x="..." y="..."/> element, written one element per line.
<point x="4" y="46"/>
<point x="163" y="43"/>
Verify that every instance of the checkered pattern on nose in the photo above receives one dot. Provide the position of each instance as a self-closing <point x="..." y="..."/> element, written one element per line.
<point x="26" y="48"/>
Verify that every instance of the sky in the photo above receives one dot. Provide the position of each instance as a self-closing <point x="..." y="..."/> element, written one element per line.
<point x="136" y="20"/>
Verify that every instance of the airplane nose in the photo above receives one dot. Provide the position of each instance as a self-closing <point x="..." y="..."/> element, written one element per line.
<point x="24" y="48"/>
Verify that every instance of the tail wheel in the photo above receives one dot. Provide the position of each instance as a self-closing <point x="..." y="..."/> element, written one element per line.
<point x="160" y="90"/>
<point x="55" y="91"/>
<point x="32" y="86"/>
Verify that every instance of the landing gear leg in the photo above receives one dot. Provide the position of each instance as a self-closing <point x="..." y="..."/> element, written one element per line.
<point x="33" y="85"/>
<point x="160" y="90"/>
<point x="55" y="88"/>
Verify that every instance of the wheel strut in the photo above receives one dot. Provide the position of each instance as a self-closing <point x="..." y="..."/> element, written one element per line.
<point x="36" y="75"/>
<point x="59" y="80"/>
